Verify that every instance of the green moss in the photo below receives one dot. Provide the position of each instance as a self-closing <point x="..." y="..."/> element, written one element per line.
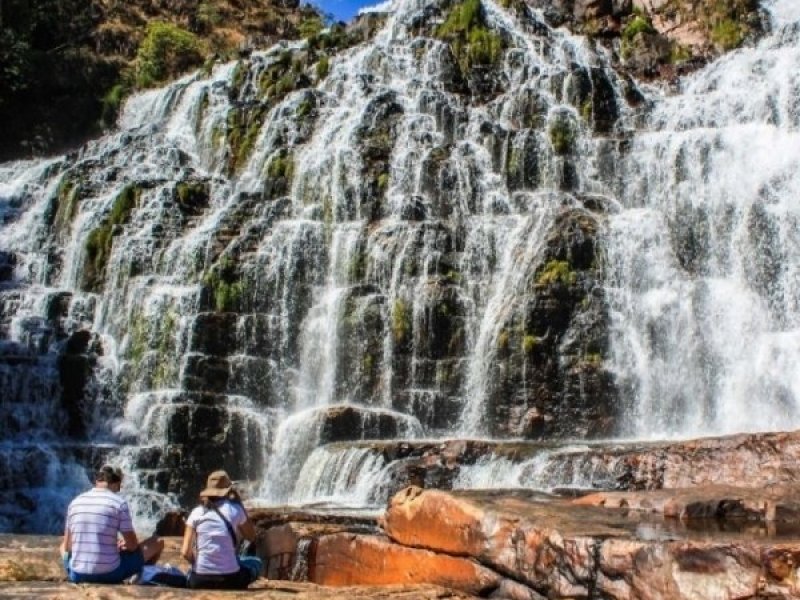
<point x="166" y="367"/>
<point x="679" y="53"/>
<point x="238" y="79"/>
<point x="502" y="339"/>
<point x="639" y="24"/>
<point x="556" y="272"/>
<point x="224" y="285"/>
<point x="111" y="104"/>
<point x="67" y="200"/>
<point x="401" y="320"/>
<point x="453" y="277"/>
<point x="304" y="109"/>
<point x="166" y="51"/>
<point x="367" y="362"/>
<point x="281" y="166"/>
<point x="383" y="181"/>
<point x="243" y="127"/>
<point x="138" y="338"/>
<point x="357" y="267"/>
<point x="100" y="240"/>
<point x="727" y="34"/>
<point x="586" y="110"/>
<point x="191" y="193"/>
<point x="563" y="135"/>
<point x="529" y="343"/>
<point x="594" y="359"/>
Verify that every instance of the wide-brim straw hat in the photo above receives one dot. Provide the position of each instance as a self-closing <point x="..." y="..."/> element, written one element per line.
<point x="218" y="485"/>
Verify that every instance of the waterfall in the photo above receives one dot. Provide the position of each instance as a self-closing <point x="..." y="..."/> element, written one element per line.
<point x="268" y="262"/>
<point x="704" y="285"/>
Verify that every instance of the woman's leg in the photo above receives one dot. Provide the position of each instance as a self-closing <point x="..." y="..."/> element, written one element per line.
<point x="253" y="565"/>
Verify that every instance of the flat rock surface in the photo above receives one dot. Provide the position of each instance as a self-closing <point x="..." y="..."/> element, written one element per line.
<point x="30" y="568"/>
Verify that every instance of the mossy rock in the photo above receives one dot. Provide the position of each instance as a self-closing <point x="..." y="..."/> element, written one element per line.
<point x="243" y="125"/>
<point x="224" y="286"/>
<point x="563" y="132"/>
<point x="100" y="240"/>
<point x="192" y="196"/>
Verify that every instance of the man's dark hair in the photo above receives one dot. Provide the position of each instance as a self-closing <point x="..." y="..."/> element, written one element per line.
<point x="109" y="474"/>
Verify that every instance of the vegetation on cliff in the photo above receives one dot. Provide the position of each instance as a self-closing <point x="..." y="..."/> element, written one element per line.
<point x="68" y="64"/>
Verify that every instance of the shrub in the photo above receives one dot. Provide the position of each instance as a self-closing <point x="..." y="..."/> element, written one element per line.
<point x="639" y="24"/>
<point x="323" y="67"/>
<point x="310" y="27"/>
<point x="471" y="41"/>
<point x="166" y="51"/>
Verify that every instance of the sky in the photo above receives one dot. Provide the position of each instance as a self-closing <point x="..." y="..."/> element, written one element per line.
<point x="343" y="10"/>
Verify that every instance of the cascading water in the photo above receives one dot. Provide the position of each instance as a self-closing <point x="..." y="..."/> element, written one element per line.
<point x="704" y="281"/>
<point x="408" y="247"/>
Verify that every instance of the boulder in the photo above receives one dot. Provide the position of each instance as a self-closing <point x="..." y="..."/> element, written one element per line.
<point x="563" y="550"/>
<point x="351" y="559"/>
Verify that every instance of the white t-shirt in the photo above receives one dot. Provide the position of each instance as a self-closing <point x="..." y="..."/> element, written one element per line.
<point x="216" y="552"/>
<point x="93" y="520"/>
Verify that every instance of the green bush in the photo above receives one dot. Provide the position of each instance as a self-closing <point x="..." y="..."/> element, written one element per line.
<point x="166" y="51"/>
<point x="639" y="24"/>
<point x="323" y="67"/>
<point x="471" y="41"/>
<point x="310" y="27"/>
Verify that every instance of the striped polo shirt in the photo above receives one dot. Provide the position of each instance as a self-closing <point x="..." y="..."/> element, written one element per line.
<point x="93" y="520"/>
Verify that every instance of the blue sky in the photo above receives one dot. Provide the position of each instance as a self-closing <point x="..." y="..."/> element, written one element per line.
<point x="343" y="10"/>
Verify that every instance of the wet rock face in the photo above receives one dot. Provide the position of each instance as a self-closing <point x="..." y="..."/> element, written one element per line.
<point x="550" y="380"/>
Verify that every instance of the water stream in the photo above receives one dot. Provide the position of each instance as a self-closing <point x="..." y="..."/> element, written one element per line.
<point x="391" y="261"/>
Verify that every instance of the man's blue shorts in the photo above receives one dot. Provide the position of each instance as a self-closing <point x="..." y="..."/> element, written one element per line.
<point x="130" y="563"/>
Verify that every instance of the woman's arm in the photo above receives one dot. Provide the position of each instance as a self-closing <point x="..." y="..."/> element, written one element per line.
<point x="247" y="531"/>
<point x="187" y="548"/>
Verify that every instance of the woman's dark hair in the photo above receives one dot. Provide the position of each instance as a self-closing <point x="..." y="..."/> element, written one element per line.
<point x="109" y="474"/>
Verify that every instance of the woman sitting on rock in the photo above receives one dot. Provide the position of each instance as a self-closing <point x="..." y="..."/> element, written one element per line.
<point x="213" y="531"/>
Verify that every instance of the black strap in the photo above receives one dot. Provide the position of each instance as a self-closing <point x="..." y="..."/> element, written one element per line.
<point x="227" y="524"/>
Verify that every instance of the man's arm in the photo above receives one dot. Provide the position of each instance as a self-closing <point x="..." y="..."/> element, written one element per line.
<point x="129" y="541"/>
<point x="66" y="542"/>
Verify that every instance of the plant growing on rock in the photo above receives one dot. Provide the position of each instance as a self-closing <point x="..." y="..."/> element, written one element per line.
<point x="470" y="39"/>
<point x="166" y="51"/>
<point x="401" y="320"/>
<point x="224" y="285"/>
<point x="100" y="240"/>
<point x="556" y="272"/>
<point x="563" y="134"/>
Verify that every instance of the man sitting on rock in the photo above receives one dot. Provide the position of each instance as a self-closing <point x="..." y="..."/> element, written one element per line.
<point x="92" y="549"/>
